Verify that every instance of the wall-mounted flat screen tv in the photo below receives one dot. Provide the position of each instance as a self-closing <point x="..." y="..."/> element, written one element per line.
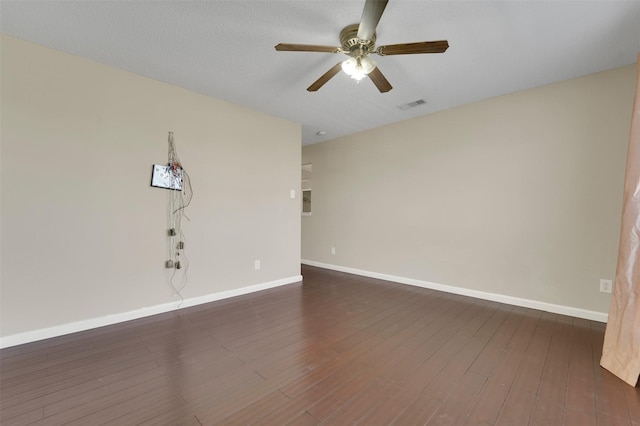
<point x="163" y="176"/>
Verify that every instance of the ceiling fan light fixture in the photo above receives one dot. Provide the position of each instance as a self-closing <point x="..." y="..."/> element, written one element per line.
<point x="358" y="41"/>
<point x="357" y="68"/>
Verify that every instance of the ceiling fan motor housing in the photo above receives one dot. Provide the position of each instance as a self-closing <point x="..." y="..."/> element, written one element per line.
<point x="353" y="46"/>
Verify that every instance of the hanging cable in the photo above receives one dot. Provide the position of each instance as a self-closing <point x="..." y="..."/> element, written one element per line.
<point x="179" y="199"/>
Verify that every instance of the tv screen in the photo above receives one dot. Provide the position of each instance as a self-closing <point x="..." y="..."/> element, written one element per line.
<point x="169" y="177"/>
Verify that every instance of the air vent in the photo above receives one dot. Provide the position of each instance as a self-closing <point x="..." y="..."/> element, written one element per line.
<point x="412" y="104"/>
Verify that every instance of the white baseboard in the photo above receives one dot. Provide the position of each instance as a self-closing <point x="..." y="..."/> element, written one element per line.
<point x="60" y="330"/>
<point x="501" y="298"/>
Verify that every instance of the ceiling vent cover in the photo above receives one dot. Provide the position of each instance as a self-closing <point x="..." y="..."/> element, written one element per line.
<point x="412" y="104"/>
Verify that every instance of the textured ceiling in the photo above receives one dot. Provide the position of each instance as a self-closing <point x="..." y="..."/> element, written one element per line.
<point x="225" y="49"/>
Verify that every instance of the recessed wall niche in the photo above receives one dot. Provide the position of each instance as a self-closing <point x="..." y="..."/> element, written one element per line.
<point x="306" y="189"/>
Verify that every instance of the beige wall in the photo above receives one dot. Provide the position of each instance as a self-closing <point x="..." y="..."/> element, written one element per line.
<point x="518" y="195"/>
<point x="84" y="234"/>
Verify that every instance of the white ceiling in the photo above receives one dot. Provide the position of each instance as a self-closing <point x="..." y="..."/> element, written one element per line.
<point x="225" y="49"/>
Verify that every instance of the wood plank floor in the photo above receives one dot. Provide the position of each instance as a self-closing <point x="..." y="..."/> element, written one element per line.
<point x="336" y="349"/>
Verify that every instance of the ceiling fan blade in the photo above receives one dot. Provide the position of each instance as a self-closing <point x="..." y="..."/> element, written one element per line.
<point x="379" y="80"/>
<point x="370" y="17"/>
<point x="288" y="47"/>
<point x="325" y="77"/>
<point x="409" y="48"/>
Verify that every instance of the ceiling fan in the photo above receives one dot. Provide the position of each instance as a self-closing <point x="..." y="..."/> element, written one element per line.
<point x="358" y="41"/>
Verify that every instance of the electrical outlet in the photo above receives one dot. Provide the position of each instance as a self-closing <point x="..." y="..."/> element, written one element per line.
<point x="333" y="250"/>
<point x="257" y="264"/>
<point x="606" y="286"/>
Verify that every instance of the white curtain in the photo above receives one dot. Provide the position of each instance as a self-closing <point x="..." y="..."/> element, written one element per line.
<point x="621" y="350"/>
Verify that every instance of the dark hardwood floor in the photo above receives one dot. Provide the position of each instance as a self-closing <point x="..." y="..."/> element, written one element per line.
<point x="336" y="349"/>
